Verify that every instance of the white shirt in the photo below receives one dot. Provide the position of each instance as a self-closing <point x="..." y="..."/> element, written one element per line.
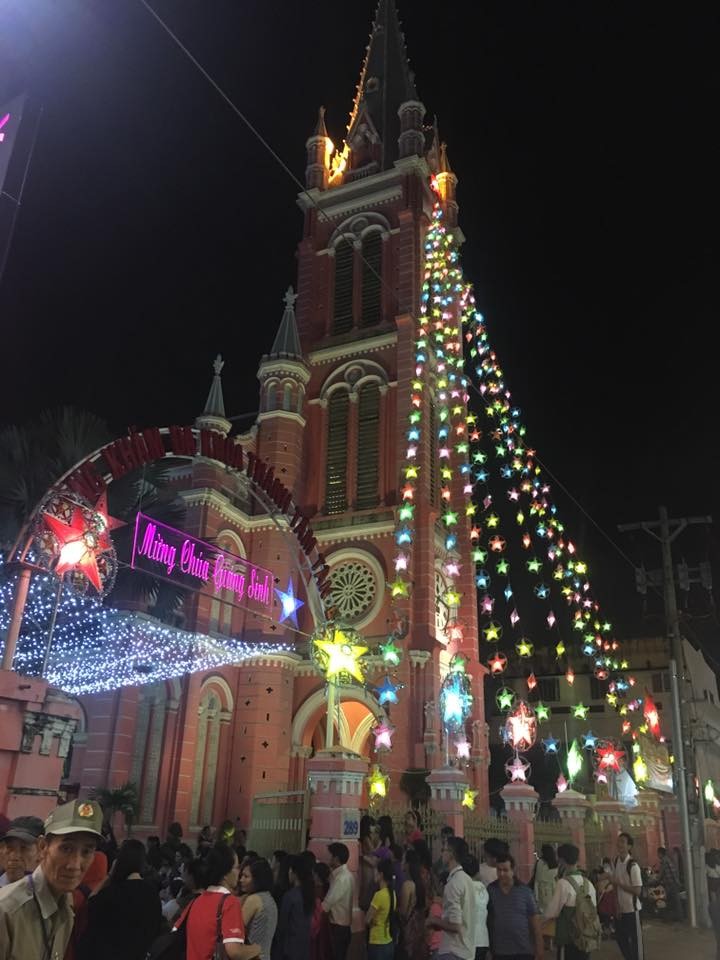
<point x="482" y="897"/>
<point x="627" y="902"/>
<point x="487" y="874"/>
<point x="565" y="896"/>
<point x="339" y="900"/>
<point x="459" y="908"/>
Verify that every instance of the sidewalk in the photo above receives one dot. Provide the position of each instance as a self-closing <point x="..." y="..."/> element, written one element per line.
<point x="667" y="941"/>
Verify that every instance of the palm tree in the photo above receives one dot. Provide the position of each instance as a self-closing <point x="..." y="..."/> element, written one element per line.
<point x="123" y="799"/>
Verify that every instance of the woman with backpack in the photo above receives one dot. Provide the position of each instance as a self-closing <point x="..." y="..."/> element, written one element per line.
<point x="574" y="908"/>
<point x="382" y="918"/>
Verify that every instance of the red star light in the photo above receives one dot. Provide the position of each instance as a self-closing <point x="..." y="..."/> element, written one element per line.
<point x="80" y="542"/>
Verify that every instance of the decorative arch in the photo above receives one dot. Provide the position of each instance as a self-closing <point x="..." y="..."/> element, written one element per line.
<point x="357" y="226"/>
<point x="214" y="710"/>
<point x="312" y="707"/>
<point x="351" y="374"/>
<point x="362" y="732"/>
<point x="90" y="477"/>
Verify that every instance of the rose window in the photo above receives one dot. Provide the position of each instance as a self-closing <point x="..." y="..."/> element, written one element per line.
<point x="353" y="590"/>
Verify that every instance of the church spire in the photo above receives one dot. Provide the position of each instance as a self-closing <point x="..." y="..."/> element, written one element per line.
<point x="287" y="339"/>
<point x="213" y="416"/>
<point x="386" y="82"/>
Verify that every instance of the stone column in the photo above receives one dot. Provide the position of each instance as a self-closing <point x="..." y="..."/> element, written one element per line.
<point x="447" y="789"/>
<point x="572" y="807"/>
<point x="336" y="778"/>
<point x="521" y="807"/>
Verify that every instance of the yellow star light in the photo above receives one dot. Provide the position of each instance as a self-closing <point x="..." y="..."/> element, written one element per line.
<point x="342" y="655"/>
<point x="468" y="799"/>
<point x="399" y="588"/>
<point x="377" y="782"/>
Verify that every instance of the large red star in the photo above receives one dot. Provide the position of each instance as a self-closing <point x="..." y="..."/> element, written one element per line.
<point x="80" y="543"/>
<point x="609" y="758"/>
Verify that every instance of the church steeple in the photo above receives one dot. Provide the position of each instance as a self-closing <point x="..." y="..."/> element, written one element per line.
<point x="287" y="339"/>
<point x="386" y="84"/>
<point x="213" y="416"/>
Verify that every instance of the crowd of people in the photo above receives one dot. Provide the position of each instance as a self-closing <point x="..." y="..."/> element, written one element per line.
<point x="68" y="891"/>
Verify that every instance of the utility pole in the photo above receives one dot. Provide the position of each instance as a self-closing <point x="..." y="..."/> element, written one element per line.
<point x="668" y="531"/>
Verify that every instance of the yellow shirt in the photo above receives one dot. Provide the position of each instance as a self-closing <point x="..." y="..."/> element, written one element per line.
<point x="380" y="927"/>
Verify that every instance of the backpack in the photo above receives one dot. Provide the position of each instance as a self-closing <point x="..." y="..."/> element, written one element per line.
<point x="585" y="929"/>
<point x="630" y="864"/>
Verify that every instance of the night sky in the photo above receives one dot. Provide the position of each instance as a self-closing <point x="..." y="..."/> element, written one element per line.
<point x="156" y="231"/>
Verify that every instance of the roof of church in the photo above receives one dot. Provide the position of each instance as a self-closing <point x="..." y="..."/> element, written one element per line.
<point x="215" y="404"/>
<point x="287" y="339"/>
<point x="386" y="80"/>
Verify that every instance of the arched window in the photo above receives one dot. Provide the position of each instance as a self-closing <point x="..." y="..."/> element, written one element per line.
<point x="336" y="470"/>
<point x="287" y="396"/>
<point x="371" y="312"/>
<point x="343" y="306"/>
<point x="368" y="445"/>
<point x="271" y="395"/>
<point x="206" y="756"/>
<point x="147" y="747"/>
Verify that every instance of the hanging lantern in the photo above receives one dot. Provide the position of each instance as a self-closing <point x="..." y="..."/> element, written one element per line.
<point x="377" y="783"/>
<point x="574" y="761"/>
<point x="561" y="784"/>
<point x="497" y="664"/>
<point x="652" y="718"/>
<point x="517" y="770"/>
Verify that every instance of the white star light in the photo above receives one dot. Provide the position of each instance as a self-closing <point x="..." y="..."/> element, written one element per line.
<point x="290" y="604"/>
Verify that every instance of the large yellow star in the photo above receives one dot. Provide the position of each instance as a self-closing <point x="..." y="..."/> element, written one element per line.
<point x="342" y="655"/>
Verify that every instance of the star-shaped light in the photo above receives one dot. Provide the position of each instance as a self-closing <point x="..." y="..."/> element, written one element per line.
<point x="497" y="664"/>
<point x="505" y="698"/>
<point x="534" y="565"/>
<point x="524" y="647"/>
<point x="401" y="562"/>
<point x="83" y="540"/>
<point x="517" y="770"/>
<point x="650" y="712"/>
<point x="640" y="769"/>
<point x="399" y="588"/>
<point x="589" y="740"/>
<point x="497" y="544"/>
<point x="383" y="734"/>
<point x="290" y="603"/>
<point x="452" y="568"/>
<point x="580" y="711"/>
<point x="390" y="652"/>
<point x="339" y="655"/>
<point x="502" y="566"/>
<point x="522" y="727"/>
<point x="387" y="693"/>
<point x="492" y="632"/>
<point x="377" y="782"/>
<point x="609" y="758"/>
<point x="550" y="745"/>
<point x="462" y="748"/>
<point x="486" y="604"/>
<point x="452" y="598"/>
<point x="468" y="799"/>
<point x="541" y="711"/>
<point x="492" y="520"/>
<point x="541" y="591"/>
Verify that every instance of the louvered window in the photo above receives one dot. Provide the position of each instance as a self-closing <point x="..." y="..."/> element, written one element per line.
<point x="343" y="309"/>
<point x="371" y="281"/>
<point x="336" y="473"/>
<point x="368" y="449"/>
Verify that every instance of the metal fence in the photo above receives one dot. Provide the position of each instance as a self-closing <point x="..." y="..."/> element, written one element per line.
<point x="553" y="832"/>
<point x="595" y="844"/>
<point x="279" y="821"/>
<point x="479" y="829"/>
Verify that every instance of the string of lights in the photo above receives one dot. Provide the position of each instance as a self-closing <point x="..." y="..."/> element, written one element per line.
<point x="96" y="648"/>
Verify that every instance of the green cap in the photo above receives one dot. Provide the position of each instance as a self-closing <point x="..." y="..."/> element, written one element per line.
<point x="79" y="816"/>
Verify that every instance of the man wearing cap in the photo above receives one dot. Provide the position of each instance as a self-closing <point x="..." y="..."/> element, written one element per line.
<point x="20" y="845"/>
<point x="36" y="916"/>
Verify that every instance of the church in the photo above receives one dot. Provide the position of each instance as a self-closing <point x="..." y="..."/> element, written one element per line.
<point x="335" y="396"/>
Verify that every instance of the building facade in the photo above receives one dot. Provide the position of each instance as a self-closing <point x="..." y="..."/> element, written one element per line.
<point x="335" y="394"/>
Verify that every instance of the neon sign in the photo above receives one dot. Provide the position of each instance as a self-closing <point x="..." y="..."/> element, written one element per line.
<point x="173" y="555"/>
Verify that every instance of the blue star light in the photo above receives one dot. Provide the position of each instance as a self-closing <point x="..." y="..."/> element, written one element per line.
<point x="290" y="603"/>
<point x="589" y="740"/>
<point x="387" y="693"/>
<point x="551" y="745"/>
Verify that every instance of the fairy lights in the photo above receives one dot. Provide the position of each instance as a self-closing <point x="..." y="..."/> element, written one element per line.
<point x="97" y="649"/>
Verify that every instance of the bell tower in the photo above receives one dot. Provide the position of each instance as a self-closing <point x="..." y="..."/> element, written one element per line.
<point x="367" y="210"/>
